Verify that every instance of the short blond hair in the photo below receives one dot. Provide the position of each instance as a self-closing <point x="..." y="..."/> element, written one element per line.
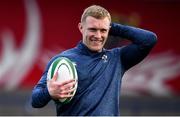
<point x="95" y="11"/>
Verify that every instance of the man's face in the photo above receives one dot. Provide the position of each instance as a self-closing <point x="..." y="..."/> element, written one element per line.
<point x="95" y="32"/>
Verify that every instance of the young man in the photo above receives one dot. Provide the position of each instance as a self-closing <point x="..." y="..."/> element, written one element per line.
<point x="100" y="71"/>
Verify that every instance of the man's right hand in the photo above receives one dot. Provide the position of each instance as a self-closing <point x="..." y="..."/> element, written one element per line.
<point x="60" y="90"/>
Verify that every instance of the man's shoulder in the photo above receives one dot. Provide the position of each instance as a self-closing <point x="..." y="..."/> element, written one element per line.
<point x="115" y="50"/>
<point x="69" y="52"/>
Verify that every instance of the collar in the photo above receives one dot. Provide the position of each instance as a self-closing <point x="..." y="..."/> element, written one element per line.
<point x="85" y="50"/>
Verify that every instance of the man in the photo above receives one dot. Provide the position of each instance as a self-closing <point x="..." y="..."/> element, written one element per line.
<point x="100" y="71"/>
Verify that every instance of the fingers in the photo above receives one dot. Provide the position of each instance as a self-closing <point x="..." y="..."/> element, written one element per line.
<point x="60" y="90"/>
<point x="68" y="82"/>
<point x="61" y="96"/>
<point x="68" y="91"/>
<point x="67" y="86"/>
<point x="54" y="78"/>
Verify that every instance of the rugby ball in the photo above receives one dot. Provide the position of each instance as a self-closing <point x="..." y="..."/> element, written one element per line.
<point x="66" y="71"/>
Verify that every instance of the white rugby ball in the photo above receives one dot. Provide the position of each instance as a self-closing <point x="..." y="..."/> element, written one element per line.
<point x="66" y="71"/>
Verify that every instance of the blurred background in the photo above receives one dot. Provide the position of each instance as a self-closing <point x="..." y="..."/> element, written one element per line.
<point x="33" y="31"/>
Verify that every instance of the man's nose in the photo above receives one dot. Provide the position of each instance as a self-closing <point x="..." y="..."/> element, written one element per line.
<point x="98" y="34"/>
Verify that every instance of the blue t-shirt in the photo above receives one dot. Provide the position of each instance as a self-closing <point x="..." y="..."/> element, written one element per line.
<point x="99" y="74"/>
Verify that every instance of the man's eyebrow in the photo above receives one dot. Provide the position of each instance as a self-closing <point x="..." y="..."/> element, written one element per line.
<point x="97" y="28"/>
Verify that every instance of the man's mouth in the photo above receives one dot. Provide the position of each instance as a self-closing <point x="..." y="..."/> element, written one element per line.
<point x="96" y="41"/>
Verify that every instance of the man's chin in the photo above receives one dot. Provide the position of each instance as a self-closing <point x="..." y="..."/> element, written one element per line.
<point x="96" y="49"/>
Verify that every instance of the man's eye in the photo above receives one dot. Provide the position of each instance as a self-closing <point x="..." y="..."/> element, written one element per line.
<point x="92" y="29"/>
<point x="103" y="30"/>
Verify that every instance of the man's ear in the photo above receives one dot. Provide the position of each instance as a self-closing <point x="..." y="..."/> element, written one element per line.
<point x="80" y="27"/>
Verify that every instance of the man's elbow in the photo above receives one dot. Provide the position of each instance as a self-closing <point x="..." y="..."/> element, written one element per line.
<point x="35" y="105"/>
<point x="152" y="38"/>
<point x="35" y="102"/>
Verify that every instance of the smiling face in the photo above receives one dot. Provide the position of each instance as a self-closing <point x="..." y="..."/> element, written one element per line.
<point x="95" y="32"/>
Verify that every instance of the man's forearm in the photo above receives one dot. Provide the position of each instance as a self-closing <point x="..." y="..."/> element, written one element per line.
<point x="40" y="97"/>
<point x="136" y="35"/>
<point x="142" y="43"/>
